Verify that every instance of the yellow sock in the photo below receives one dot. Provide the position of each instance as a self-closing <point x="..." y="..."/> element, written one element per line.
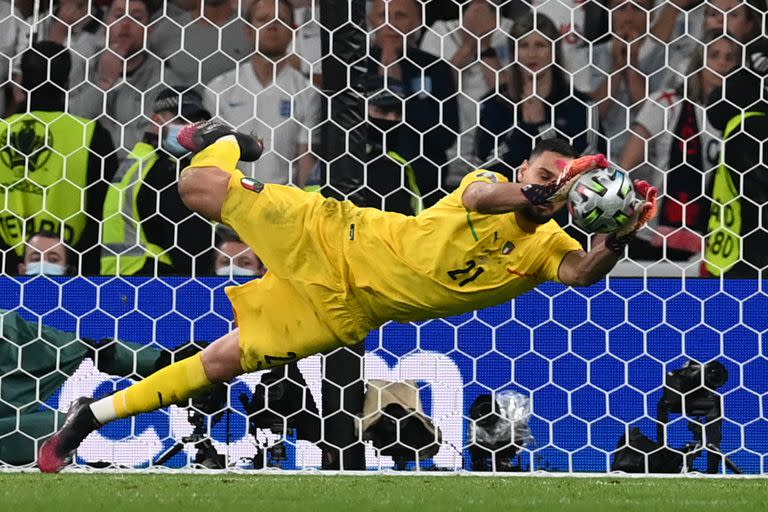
<point x="167" y="386"/>
<point x="224" y="154"/>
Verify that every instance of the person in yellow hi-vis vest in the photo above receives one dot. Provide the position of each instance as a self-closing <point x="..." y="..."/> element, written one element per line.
<point x="54" y="166"/>
<point x="147" y="230"/>
<point x="737" y="239"/>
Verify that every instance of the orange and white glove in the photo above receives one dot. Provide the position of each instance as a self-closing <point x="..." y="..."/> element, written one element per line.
<point x="645" y="210"/>
<point x="557" y="190"/>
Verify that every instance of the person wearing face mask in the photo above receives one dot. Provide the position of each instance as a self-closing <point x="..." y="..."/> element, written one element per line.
<point x="147" y="230"/>
<point x="45" y="254"/>
<point x="391" y="182"/>
<point x="233" y="258"/>
<point x="431" y="113"/>
<point x="46" y="144"/>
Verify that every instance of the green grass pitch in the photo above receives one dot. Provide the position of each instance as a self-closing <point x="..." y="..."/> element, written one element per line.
<point x="21" y="492"/>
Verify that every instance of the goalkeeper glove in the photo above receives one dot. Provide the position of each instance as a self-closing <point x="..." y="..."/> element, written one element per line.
<point x="557" y="190"/>
<point x="645" y="210"/>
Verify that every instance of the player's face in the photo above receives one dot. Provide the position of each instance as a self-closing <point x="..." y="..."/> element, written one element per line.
<point x="540" y="171"/>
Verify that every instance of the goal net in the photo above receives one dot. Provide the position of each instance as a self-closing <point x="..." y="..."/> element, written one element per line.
<point x="660" y="368"/>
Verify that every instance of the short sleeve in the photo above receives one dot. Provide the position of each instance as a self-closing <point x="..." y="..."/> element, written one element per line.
<point x="560" y="244"/>
<point x="478" y="175"/>
<point x="308" y="115"/>
<point x="432" y="42"/>
<point x="651" y="115"/>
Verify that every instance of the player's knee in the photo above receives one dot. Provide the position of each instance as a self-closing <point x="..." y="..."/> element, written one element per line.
<point x="221" y="359"/>
<point x="203" y="190"/>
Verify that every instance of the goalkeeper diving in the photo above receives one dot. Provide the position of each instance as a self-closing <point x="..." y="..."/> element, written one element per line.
<point x="337" y="271"/>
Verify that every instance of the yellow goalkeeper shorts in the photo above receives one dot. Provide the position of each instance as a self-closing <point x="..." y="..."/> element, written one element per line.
<point x="303" y="305"/>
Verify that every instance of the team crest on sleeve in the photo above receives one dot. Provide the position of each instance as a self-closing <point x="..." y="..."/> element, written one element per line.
<point x="487" y="174"/>
<point x="252" y="184"/>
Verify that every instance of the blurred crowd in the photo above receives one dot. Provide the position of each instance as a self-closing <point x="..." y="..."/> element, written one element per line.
<point x="95" y="92"/>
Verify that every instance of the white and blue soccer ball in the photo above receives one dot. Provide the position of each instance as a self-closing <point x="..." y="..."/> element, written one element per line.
<point x="602" y="200"/>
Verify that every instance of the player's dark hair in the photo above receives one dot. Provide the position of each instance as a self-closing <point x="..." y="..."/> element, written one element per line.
<point x="556" y="145"/>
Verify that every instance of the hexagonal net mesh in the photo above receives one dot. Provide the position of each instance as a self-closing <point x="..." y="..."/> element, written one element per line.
<point x="108" y="276"/>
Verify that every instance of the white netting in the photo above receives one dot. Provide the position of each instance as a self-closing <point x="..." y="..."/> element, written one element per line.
<point x="559" y="379"/>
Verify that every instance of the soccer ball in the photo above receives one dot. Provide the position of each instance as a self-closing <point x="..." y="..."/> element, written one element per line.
<point x="602" y="200"/>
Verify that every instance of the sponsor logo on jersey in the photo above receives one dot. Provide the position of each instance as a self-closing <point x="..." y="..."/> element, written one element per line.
<point x="252" y="184"/>
<point x="507" y="248"/>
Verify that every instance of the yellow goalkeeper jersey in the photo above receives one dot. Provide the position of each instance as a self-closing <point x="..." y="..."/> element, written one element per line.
<point x="447" y="260"/>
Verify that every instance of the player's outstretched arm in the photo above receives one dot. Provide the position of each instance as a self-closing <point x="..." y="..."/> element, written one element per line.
<point x="583" y="269"/>
<point x="492" y="198"/>
<point x="485" y="197"/>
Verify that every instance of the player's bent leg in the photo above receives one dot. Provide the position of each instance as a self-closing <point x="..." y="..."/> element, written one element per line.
<point x="221" y="360"/>
<point x="204" y="189"/>
<point x="218" y="148"/>
<point x="171" y="385"/>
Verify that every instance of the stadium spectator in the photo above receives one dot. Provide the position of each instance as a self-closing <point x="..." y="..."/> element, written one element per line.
<point x="146" y="228"/>
<point x="570" y="16"/>
<point x="431" y="121"/>
<point x="744" y="21"/>
<point x="681" y="147"/>
<point x="55" y="169"/>
<point x="233" y="258"/>
<point x="168" y="22"/>
<point x="737" y="230"/>
<point x="390" y="181"/>
<point x="267" y="96"/>
<point x="50" y="357"/>
<point x="682" y="32"/>
<point x="308" y="39"/>
<point x="125" y="78"/>
<point x="627" y="66"/>
<point x="79" y="29"/>
<point x="11" y="33"/>
<point x="214" y="43"/>
<point x="741" y="19"/>
<point x="536" y="101"/>
<point x="476" y="46"/>
<point x="46" y="254"/>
